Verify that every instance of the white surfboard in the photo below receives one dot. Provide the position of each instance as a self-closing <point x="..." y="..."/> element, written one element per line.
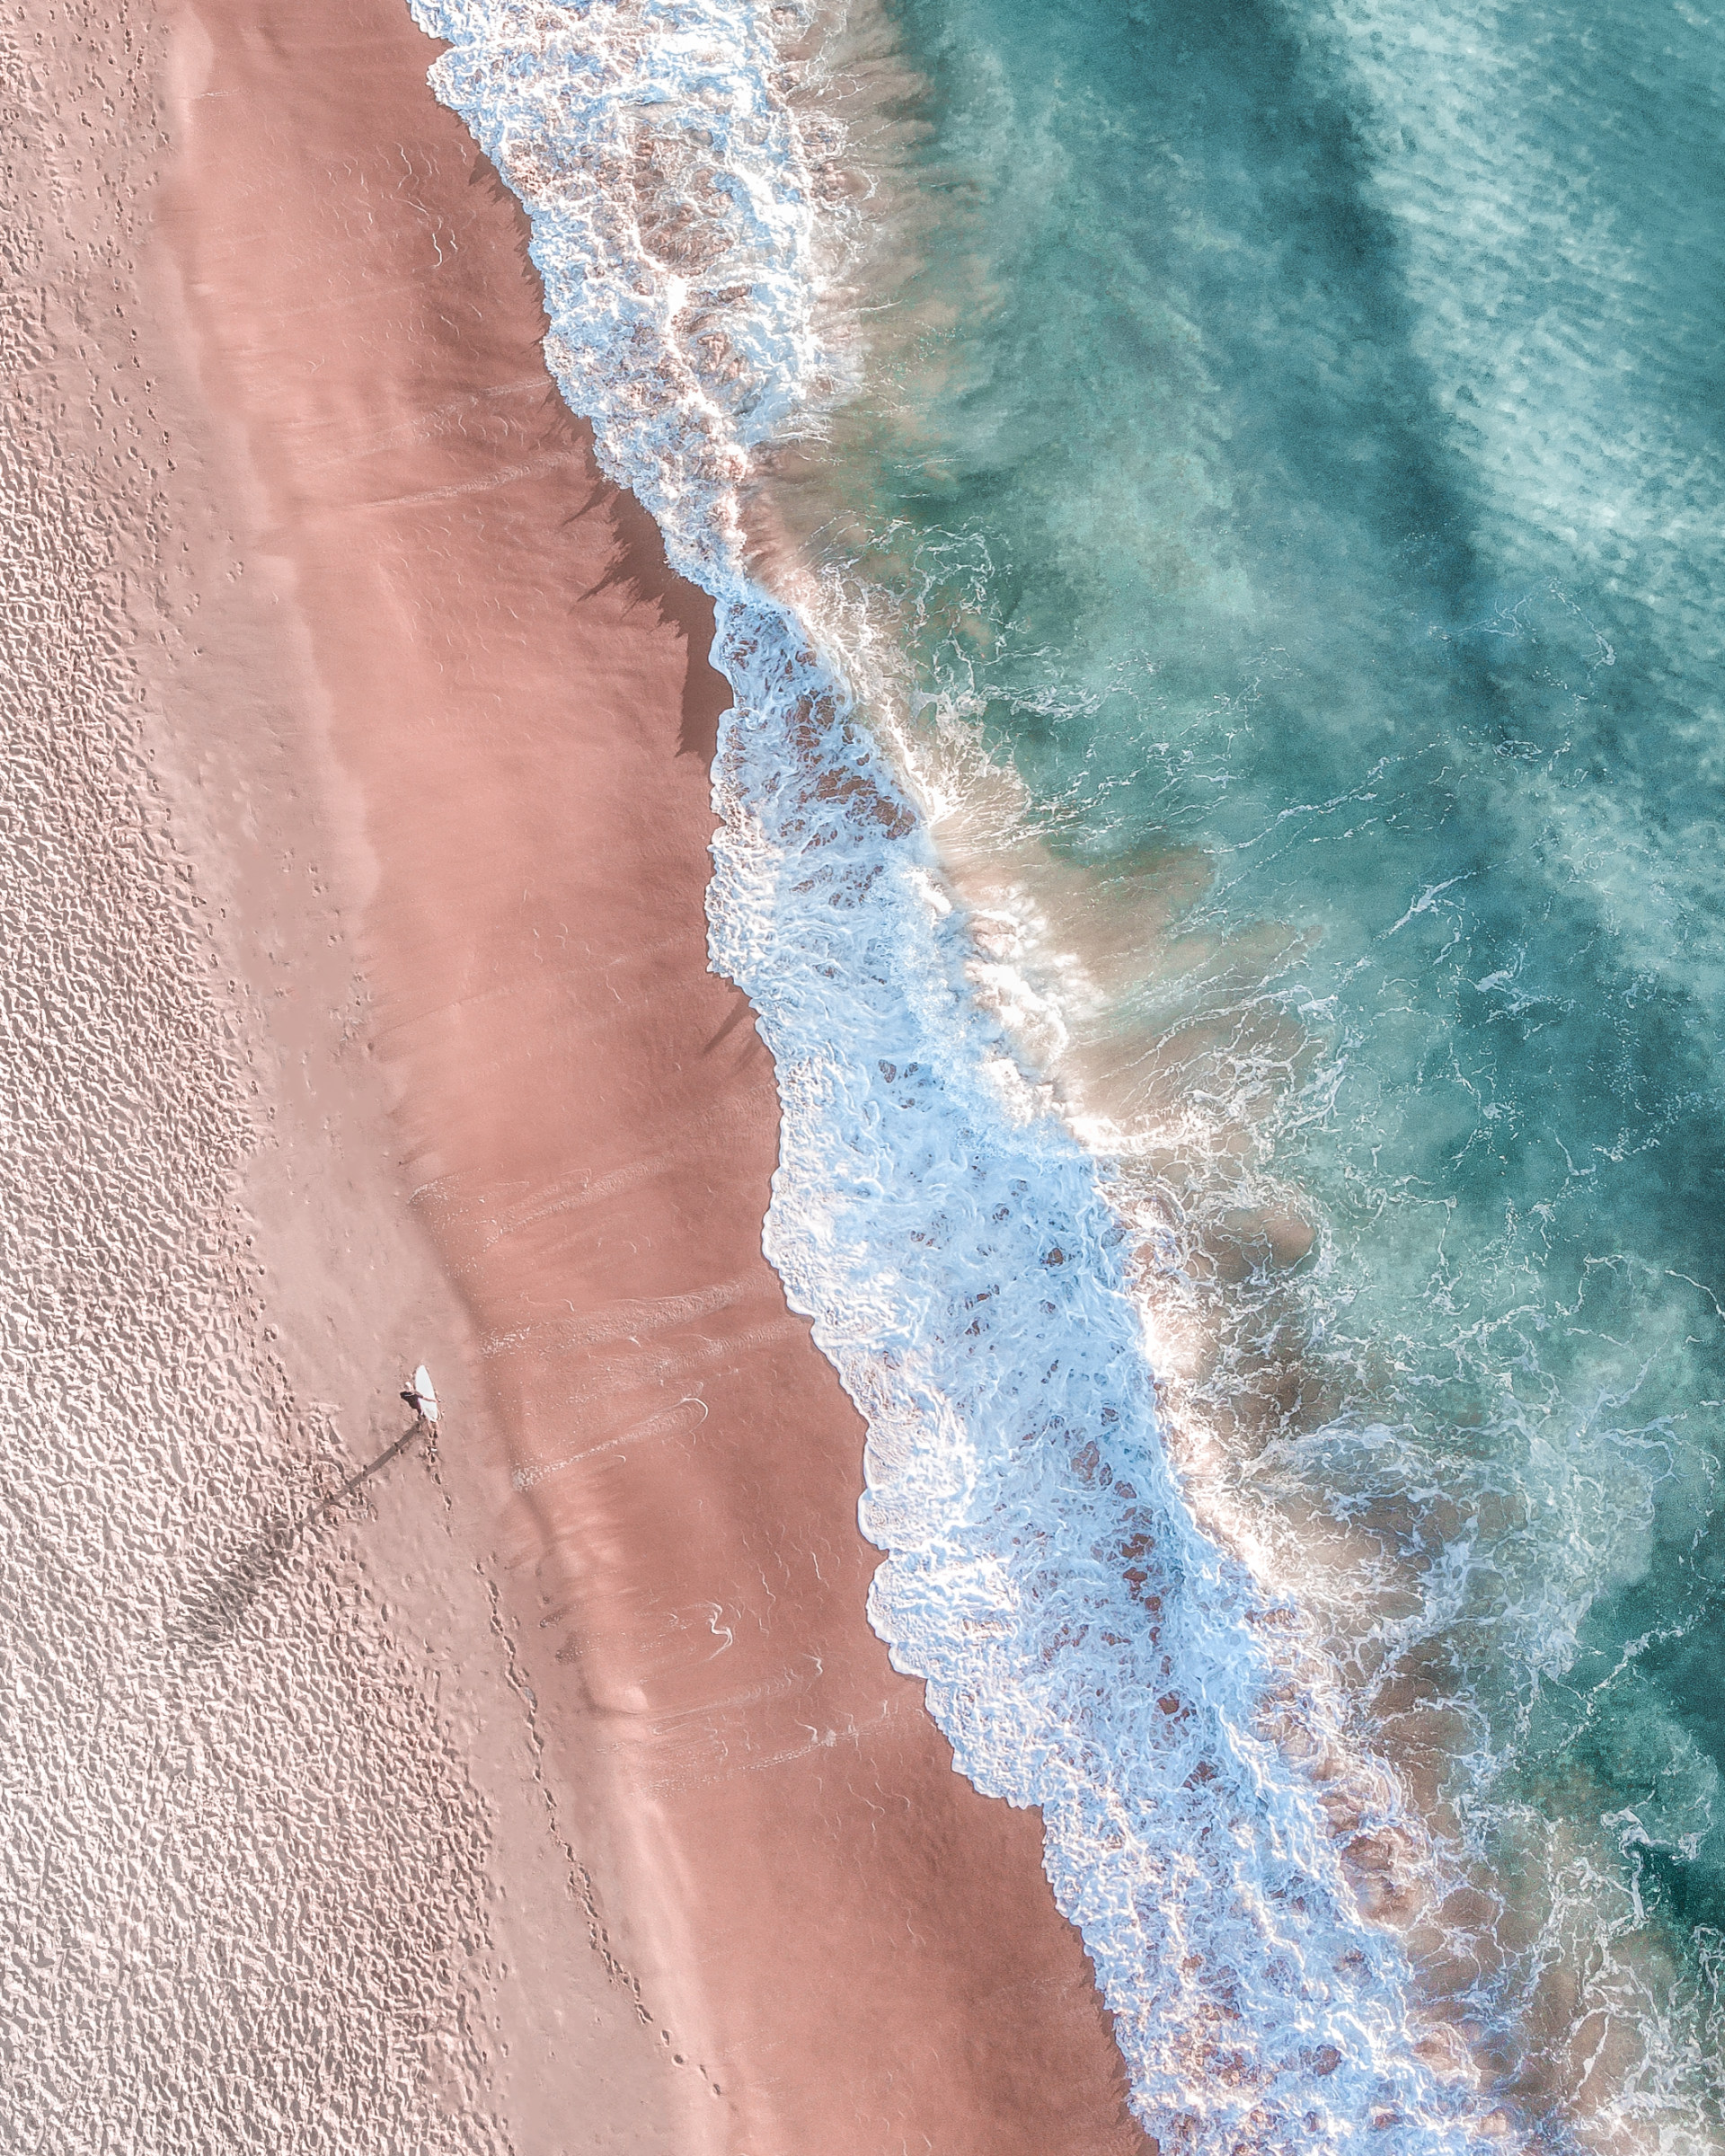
<point x="426" y="1393"/>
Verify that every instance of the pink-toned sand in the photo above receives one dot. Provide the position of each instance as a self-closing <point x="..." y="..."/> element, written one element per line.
<point x="512" y="700"/>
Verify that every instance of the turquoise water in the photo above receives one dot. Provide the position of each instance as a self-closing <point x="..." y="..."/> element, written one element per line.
<point x="1323" y="472"/>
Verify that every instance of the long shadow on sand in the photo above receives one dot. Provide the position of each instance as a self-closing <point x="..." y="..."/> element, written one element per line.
<point x="214" y="1610"/>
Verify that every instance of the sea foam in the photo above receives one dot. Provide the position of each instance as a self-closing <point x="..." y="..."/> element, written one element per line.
<point x="1087" y="1648"/>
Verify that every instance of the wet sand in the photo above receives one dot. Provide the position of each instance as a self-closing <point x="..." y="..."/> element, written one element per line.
<point x="501" y="701"/>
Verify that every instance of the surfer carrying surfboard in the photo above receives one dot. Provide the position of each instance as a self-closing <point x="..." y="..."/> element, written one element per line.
<point x="421" y="1396"/>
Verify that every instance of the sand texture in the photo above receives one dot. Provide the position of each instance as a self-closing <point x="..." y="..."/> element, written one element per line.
<point x="357" y="746"/>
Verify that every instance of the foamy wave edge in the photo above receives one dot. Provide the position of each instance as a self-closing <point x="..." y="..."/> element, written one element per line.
<point x="1087" y="1649"/>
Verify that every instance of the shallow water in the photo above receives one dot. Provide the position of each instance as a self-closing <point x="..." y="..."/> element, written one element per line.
<point x="1241" y="971"/>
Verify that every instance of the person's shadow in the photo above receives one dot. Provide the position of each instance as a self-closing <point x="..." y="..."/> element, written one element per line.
<point x="214" y="1611"/>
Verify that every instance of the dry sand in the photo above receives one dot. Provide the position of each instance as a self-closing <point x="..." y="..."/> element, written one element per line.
<point x="635" y="1840"/>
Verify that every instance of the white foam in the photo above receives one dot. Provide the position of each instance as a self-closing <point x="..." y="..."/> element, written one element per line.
<point x="1086" y="1648"/>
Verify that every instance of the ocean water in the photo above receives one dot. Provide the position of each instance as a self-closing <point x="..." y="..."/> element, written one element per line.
<point x="1214" y="513"/>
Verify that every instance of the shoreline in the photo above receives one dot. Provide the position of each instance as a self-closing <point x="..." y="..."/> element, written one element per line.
<point x="849" y="1000"/>
<point x="589" y="1122"/>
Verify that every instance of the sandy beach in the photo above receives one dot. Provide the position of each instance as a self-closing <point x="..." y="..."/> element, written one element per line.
<point x="420" y="728"/>
<point x="283" y="1867"/>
